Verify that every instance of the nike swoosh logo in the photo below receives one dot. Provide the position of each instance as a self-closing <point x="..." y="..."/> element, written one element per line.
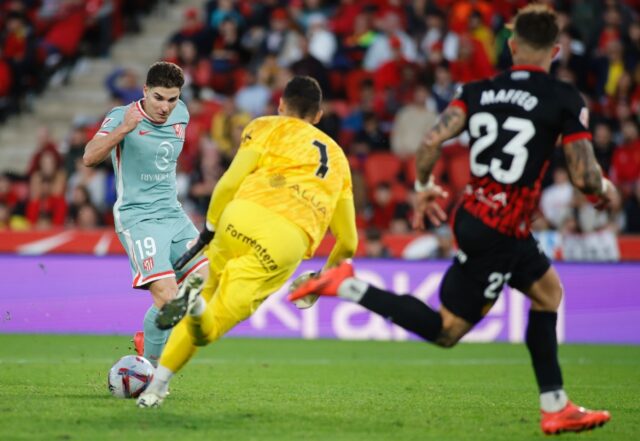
<point x="144" y="132"/>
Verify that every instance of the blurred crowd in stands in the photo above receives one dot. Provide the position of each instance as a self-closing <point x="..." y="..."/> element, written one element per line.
<point x="386" y="67"/>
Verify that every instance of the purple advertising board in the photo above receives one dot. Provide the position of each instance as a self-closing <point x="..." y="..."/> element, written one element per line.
<point x="93" y="295"/>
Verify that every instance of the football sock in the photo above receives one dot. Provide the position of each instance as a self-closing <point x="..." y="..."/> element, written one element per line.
<point x="352" y="289"/>
<point x="160" y="383"/>
<point x="543" y="346"/>
<point x="179" y="348"/>
<point x="154" y="338"/>
<point x="553" y="401"/>
<point x="403" y="310"/>
<point x="198" y="308"/>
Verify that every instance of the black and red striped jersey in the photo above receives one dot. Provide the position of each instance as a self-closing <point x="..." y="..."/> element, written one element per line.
<point x="514" y="121"/>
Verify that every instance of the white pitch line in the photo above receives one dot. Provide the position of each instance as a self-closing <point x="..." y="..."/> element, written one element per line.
<point x="322" y="361"/>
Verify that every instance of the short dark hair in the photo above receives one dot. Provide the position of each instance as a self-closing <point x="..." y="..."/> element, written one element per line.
<point x="165" y="74"/>
<point x="303" y="96"/>
<point x="536" y="25"/>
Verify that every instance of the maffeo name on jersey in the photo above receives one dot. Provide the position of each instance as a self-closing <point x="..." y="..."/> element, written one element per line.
<point x="518" y="97"/>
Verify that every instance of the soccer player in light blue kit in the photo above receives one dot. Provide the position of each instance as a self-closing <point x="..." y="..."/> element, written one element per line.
<point x="144" y="140"/>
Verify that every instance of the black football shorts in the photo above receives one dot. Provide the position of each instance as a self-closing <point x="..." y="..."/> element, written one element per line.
<point x="486" y="261"/>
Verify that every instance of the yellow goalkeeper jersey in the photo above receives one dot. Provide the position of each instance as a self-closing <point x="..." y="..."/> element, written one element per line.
<point x="301" y="175"/>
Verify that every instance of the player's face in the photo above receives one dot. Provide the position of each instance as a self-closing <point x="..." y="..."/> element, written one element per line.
<point x="159" y="102"/>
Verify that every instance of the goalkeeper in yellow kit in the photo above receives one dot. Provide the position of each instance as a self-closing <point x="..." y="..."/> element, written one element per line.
<point x="288" y="183"/>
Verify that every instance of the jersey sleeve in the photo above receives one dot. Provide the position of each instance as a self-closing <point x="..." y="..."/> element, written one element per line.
<point x="255" y="135"/>
<point x="113" y="119"/>
<point x="347" y="184"/>
<point x="575" y="118"/>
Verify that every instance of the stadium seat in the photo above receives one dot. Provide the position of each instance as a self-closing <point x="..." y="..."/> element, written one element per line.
<point x="458" y="170"/>
<point x="410" y="169"/>
<point x="381" y="167"/>
<point x="353" y="82"/>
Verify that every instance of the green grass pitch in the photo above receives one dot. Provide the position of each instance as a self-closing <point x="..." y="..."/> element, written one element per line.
<point x="54" y="388"/>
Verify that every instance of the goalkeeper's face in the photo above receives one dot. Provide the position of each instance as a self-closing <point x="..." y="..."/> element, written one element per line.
<point x="159" y="102"/>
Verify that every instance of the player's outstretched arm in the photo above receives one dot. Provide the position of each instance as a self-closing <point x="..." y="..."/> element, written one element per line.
<point x="450" y="123"/>
<point x="100" y="146"/>
<point x="585" y="172"/>
<point x="343" y="227"/>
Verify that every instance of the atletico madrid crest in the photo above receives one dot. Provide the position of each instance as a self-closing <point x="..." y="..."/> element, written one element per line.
<point x="148" y="264"/>
<point x="179" y="129"/>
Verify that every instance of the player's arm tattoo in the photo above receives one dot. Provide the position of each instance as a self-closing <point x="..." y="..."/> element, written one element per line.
<point x="584" y="169"/>
<point x="449" y="124"/>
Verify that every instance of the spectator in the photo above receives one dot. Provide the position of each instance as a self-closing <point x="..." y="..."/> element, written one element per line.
<point x="625" y="165"/>
<point x="254" y="96"/>
<point x="197" y="71"/>
<point x="309" y="65"/>
<point x="204" y="178"/>
<point x="227" y="53"/>
<point x="360" y="37"/>
<point x="223" y="124"/>
<point x="443" y="87"/>
<point x="49" y="169"/>
<point x="93" y="179"/>
<point x="45" y="144"/>
<point x="371" y="134"/>
<point x="632" y="210"/>
<point x="225" y="10"/>
<point x="482" y="33"/>
<point x="75" y="149"/>
<point x="381" y="50"/>
<point x="556" y="200"/>
<point x="19" y="49"/>
<point x="87" y="217"/>
<point x="374" y="246"/>
<point x="8" y="195"/>
<point x="603" y="145"/>
<point x="384" y="207"/>
<point x="412" y="122"/>
<point x="192" y="29"/>
<point x="322" y="42"/>
<point x="438" y="44"/>
<point x="79" y="196"/>
<point x="281" y="39"/>
<point x="123" y="85"/>
<point x="45" y="208"/>
<point x="472" y="63"/>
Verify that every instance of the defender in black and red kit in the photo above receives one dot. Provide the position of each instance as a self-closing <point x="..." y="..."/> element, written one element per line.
<point x="515" y="121"/>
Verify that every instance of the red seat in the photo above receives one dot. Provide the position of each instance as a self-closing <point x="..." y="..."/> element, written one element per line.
<point x="410" y="169"/>
<point x="353" y="82"/>
<point x="381" y="167"/>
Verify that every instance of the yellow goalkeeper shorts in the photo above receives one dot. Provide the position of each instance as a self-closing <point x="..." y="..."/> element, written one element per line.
<point x="253" y="253"/>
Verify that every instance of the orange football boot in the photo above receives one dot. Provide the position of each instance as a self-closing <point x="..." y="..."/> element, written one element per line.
<point x="572" y="419"/>
<point x="326" y="283"/>
<point x="138" y="342"/>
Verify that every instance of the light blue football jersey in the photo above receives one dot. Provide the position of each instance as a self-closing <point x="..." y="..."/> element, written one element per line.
<point x="145" y="166"/>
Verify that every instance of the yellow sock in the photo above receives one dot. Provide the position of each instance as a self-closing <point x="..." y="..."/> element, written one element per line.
<point x="179" y="348"/>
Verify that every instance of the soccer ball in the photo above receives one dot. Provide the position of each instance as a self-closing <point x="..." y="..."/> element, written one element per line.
<point x="130" y="376"/>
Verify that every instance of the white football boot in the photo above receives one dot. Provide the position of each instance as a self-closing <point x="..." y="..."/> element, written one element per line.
<point x="174" y="310"/>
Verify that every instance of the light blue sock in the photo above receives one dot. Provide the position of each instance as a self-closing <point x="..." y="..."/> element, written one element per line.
<point x="154" y="338"/>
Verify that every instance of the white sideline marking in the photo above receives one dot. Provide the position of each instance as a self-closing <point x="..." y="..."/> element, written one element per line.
<point x="323" y="361"/>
